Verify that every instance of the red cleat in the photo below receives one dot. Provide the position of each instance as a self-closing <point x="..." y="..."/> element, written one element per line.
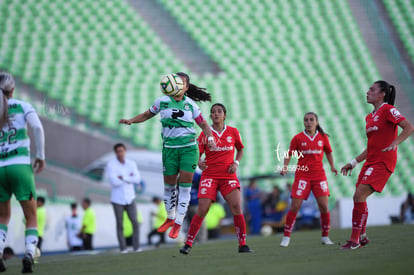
<point x="167" y="224"/>
<point x="175" y="231"/>
<point x="350" y="245"/>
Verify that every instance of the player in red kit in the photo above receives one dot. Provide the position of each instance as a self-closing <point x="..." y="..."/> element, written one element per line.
<point x="309" y="146"/>
<point x="219" y="174"/>
<point x="380" y="155"/>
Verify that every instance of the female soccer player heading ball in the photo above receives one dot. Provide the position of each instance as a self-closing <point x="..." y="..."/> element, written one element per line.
<point x="310" y="175"/>
<point x="380" y="155"/>
<point x="219" y="174"/>
<point x="180" y="152"/>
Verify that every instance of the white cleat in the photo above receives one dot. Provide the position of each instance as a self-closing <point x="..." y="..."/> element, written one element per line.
<point x="125" y="251"/>
<point x="285" y="241"/>
<point x="326" y="241"/>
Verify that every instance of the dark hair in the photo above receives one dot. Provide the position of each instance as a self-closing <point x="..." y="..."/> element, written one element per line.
<point x="87" y="201"/>
<point x="220" y="105"/>
<point x="194" y="92"/>
<point x="318" y="127"/>
<point x="41" y="199"/>
<point x="73" y="205"/>
<point x="389" y="91"/>
<point x="116" y="146"/>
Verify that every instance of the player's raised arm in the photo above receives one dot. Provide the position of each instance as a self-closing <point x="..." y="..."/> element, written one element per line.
<point x="138" y="118"/>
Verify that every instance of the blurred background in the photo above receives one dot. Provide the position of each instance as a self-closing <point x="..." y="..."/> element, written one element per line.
<point x="86" y="64"/>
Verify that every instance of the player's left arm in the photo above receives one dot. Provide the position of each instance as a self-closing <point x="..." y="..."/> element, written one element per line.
<point x="407" y="130"/>
<point x="235" y="164"/>
<point x="329" y="157"/>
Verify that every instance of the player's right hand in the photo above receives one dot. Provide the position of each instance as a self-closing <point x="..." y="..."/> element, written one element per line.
<point x="39" y="165"/>
<point x="346" y="168"/>
<point x="124" y="121"/>
<point x="202" y="165"/>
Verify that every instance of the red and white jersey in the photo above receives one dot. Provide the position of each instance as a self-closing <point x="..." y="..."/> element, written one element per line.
<point x="309" y="151"/>
<point x="381" y="130"/>
<point x="220" y="159"/>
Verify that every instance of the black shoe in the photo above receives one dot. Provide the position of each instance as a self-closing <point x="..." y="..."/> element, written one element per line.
<point x="185" y="249"/>
<point x="27" y="264"/>
<point x="245" y="249"/>
<point x="2" y="266"/>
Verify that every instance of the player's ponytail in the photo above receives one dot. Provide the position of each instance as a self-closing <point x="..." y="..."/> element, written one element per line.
<point x="389" y="91"/>
<point x="6" y="87"/>
<point x="4" y="109"/>
<point x="194" y="92"/>
<point x="318" y="127"/>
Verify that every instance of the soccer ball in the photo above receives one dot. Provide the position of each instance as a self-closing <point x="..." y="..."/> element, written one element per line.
<point x="171" y="84"/>
<point x="266" y="230"/>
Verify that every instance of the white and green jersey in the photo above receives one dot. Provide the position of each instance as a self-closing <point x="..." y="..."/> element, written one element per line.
<point x="177" y="119"/>
<point x="14" y="141"/>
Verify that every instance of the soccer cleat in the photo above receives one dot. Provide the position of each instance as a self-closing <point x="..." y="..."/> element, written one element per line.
<point x="185" y="249"/>
<point x="27" y="264"/>
<point x="245" y="249"/>
<point x="2" y="266"/>
<point x="175" y="230"/>
<point x="285" y="241"/>
<point x="167" y="224"/>
<point x="326" y="241"/>
<point x="350" y="245"/>
<point x="363" y="240"/>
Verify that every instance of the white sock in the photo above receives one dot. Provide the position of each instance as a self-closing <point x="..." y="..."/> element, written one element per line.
<point x="3" y="237"/>
<point x="170" y="200"/>
<point x="183" y="202"/>
<point x="31" y="241"/>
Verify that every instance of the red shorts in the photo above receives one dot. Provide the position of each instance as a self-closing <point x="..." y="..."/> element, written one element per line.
<point x="376" y="175"/>
<point x="301" y="188"/>
<point x="209" y="187"/>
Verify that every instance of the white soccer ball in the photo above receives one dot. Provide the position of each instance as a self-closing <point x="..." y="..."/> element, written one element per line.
<point x="171" y="84"/>
<point x="266" y="230"/>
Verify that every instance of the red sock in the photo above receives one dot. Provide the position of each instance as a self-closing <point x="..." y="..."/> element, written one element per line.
<point x="240" y="226"/>
<point x="364" y="225"/>
<point x="325" y="223"/>
<point x="290" y="223"/>
<point x="357" y="220"/>
<point x="194" y="228"/>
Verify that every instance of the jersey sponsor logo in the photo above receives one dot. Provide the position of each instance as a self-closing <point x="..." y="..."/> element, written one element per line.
<point x="395" y="113"/>
<point x="308" y="152"/>
<point x="324" y="186"/>
<point x="176" y="113"/>
<point x="187" y="107"/>
<point x="376" y="118"/>
<point x="229" y="139"/>
<point x="371" y="129"/>
<point x="223" y="148"/>
<point x="320" y="143"/>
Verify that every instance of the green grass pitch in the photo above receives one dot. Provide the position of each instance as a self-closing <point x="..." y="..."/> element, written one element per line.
<point x="390" y="252"/>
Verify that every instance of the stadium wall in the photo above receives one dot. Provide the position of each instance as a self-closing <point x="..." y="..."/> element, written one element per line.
<point x="54" y="238"/>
